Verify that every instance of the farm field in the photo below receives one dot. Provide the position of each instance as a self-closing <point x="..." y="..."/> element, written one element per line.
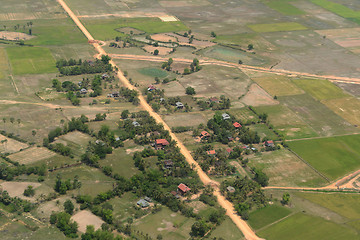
<point x="320" y="89"/>
<point x="338" y="9"/>
<point x="9" y="145"/>
<point x="77" y="141"/>
<point x="264" y="216"/>
<point x="32" y="155"/>
<point x="334" y="156"/>
<point x="320" y="118"/>
<point x="302" y="226"/>
<point x="277" y="27"/>
<point x="285" y="169"/>
<point x="277" y="85"/>
<point x="284" y="6"/>
<point x="347" y="108"/>
<point x="33" y="60"/>
<point x="227" y="230"/>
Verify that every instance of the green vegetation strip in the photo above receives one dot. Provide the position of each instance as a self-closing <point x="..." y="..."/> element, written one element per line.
<point x="277" y="27"/>
<point x="334" y="156"/>
<point x="337" y="8"/>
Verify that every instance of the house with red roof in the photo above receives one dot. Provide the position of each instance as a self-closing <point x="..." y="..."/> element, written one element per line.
<point x="151" y="88"/>
<point x="269" y="143"/>
<point x="229" y="150"/>
<point x="182" y="188"/>
<point x="237" y="125"/>
<point x="204" y="135"/>
<point x="211" y="152"/>
<point x="161" y="143"/>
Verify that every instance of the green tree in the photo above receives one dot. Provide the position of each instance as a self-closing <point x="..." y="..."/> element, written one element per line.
<point x="156" y="52"/>
<point x="199" y="228"/>
<point x="250" y="47"/>
<point x="285" y="198"/>
<point x="190" y="91"/>
<point x="125" y="114"/>
<point x="69" y="207"/>
<point x="213" y="34"/>
<point x="29" y="191"/>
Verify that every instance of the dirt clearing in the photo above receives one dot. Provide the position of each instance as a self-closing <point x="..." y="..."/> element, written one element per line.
<point x="162" y="50"/>
<point x="256" y="96"/>
<point x="15" y="35"/>
<point x="16" y="189"/>
<point x="32" y="155"/>
<point x="8" y="145"/>
<point x="85" y="218"/>
<point x="161" y="37"/>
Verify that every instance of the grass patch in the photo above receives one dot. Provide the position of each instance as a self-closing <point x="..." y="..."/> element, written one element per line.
<point x="346" y="205"/>
<point x="337" y="8"/>
<point x="267" y="215"/>
<point x="320" y="118"/>
<point x="4" y="64"/>
<point x="31" y="60"/>
<point x="244" y="114"/>
<point x="347" y="108"/>
<point x="278" y="85"/>
<point x="284" y="7"/>
<point x="263" y="131"/>
<point x="301" y="226"/>
<point x="277" y="27"/>
<point x="334" y="156"/>
<point x="287" y="122"/>
<point x="153" y="72"/>
<point x="320" y="89"/>
<point x="108" y="28"/>
<point x="227" y="230"/>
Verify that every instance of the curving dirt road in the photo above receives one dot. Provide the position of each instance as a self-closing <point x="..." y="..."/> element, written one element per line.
<point x="230" y="211"/>
<point x="234" y="65"/>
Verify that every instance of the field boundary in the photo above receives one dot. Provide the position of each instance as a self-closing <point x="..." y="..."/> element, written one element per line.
<point x="277" y="221"/>
<point x="303" y="160"/>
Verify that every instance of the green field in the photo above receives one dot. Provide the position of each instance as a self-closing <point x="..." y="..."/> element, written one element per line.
<point x="301" y="226"/>
<point x="153" y="72"/>
<point x="346" y="205"/>
<point x="334" y="156"/>
<point x="31" y="60"/>
<point x="347" y="108"/>
<point x="316" y="115"/>
<point x="4" y="64"/>
<point x="107" y="28"/>
<point x="277" y="27"/>
<point x="267" y="215"/>
<point x="337" y="8"/>
<point x="263" y="131"/>
<point x="287" y="122"/>
<point x="284" y="7"/>
<point x="320" y="89"/>
<point x="227" y="230"/>
<point x="277" y="85"/>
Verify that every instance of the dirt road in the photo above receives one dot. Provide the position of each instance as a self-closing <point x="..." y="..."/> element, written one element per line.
<point x="234" y="65"/>
<point x="230" y="211"/>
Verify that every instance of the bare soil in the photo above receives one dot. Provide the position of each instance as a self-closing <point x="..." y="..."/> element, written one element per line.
<point x="11" y="145"/>
<point x="162" y="50"/>
<point x="16" y="189"/>
<point x="256" y="96"/>
<point x="15" y="36"/>
<point x="85" y="218"/>
<point x="162" y="37"/>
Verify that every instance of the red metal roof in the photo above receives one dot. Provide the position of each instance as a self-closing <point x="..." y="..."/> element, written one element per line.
<point x="163" y="142"/>
<point x="236" y="124"/>
<point x="211" y="152"/>
<point x="229" y="150"/>
<point x="182" y="187"/>
<point x="205" y="134"/>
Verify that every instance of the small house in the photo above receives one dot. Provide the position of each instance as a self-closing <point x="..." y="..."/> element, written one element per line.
<point x="183" y="189"/>
<point x="151" y="88"/>
<point x="135" y="124"/>
<point x="83" y="91"/>
<point x="225" y="116"/>
<point x="168" y="164"/>
<point x="148" y="199"/>
<point x="161" y="143"/>
<point x="204" y="135"/>
<point x="211" y="152"/>
<point x="117" y="139"/>
<point x="115" y="94"/>
<point x="269" y="143"/>
<point x="179" y="105"/>
<point x="214" y="100"/>
<point x="237" y="125"/>
<point x="143" y="203"/>
<point x="230" y="189"/>
<point x="105" y="76"/>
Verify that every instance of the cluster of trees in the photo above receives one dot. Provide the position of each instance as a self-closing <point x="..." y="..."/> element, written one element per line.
<point x="9" y="172"/>
<point x="73" y="67"/>
<point x="15" y="204"/>
<point x="194" y="67"/>
<point x="29" y="191"/>
<point x="214" y="164"/>
<point x="62" y="186"/>
<point x="129" y="95"/>
<point x="167" y="65"/>
<point x="248" y="194"/>
<point x="224" y="103"/>
<point x="63" y="222"/>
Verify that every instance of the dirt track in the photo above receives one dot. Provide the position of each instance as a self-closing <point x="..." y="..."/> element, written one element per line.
<point x="230" y="211"/>
<point x="234" y="65"/>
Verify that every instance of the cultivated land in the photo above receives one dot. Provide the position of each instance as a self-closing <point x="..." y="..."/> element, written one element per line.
<point x="277" y="60"/>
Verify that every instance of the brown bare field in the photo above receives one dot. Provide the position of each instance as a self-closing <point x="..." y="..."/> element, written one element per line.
<point x="175" y="4"/>
<point x="16" y="189"/>
<point x="347" y="108"/>
<point x="162" y="37"/>
<point x="256" y="96"/>
<point x="30" y="16"/>
<point x="346" y="37"/>
<point x="185" y="119"/>
<point x="10" y="145"/>
<point x="162" y="50"/>
<point x="15" y="35"/>
<point x="31" y="155"/>
<point x="85" y="218"/>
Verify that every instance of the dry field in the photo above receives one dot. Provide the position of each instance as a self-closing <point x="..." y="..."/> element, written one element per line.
<point x="256" y="96"/>
<point x="162" y="37"/>
<point x="347" y="108"/>
<point x="85" y="218"/>
<point x="9" y="145"/>
<point x="162" y="50"/>
<point x="346" y="37"/>
<point x="16" y="189"/>
<point x="15" y="35"/>
<point x="31" y="155"/>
